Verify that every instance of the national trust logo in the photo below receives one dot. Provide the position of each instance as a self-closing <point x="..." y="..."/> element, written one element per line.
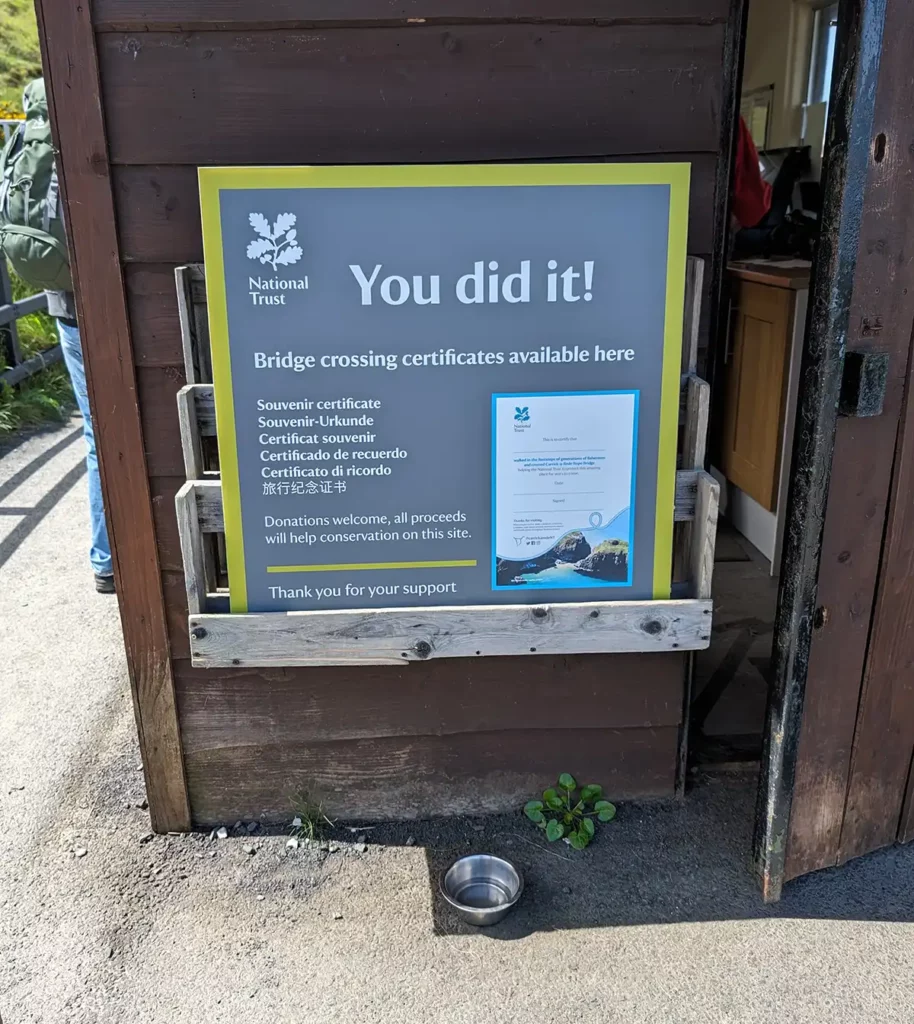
<point x="521" y="418"/>
<point x="276" y="245"/>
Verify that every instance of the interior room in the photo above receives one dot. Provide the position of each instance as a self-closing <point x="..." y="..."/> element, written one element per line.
<point x="753" y="362"/>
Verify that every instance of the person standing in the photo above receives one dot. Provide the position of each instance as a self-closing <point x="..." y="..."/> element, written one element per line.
<point x="33" y="239"/>
<point x="61" y="306"/>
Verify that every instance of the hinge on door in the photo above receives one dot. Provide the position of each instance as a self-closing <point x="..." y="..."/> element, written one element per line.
<point x="863" y="383"/>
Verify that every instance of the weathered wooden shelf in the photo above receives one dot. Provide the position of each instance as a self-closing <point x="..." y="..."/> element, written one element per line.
<point x="395" y="635"/>
<point x="392" y="636"/>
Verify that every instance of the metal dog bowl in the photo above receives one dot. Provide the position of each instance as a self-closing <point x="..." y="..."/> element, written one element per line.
<point x="482" y="888"/>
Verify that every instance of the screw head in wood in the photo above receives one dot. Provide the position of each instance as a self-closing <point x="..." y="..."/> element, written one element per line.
<point x="198" y="632"/>
<point x="423" y="648"/>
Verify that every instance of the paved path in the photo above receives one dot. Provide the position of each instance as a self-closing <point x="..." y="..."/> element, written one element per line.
<point x="658" y="922"/>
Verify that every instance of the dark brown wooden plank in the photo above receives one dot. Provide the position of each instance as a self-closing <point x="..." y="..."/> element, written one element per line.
<point x="157" y="388"/>
<point x="140" y="15"/>
<point x="154" y="324"/>
<point x="847" y="576"/>
<point x="884" y="737"/>
<point x="71" y="74"/>
<point x="159" y="215"/>
<point x="231" y="708"/>
<point x="861" y="473"/>
<point x="163" y="490"/>
<point x="414" y="777"/>
<point x="414" y="94"/>
<point x="175" y="595"/>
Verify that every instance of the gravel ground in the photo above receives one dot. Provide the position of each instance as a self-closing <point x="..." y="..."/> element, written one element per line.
<point x="659" y="921"/>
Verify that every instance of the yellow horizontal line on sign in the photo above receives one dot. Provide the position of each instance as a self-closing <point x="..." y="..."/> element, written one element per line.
<point x="357" y="566"/>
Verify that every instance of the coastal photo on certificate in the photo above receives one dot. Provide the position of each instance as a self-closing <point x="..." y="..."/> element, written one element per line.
<point x="563" y="480"/>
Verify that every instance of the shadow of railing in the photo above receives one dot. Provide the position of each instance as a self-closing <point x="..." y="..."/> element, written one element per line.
<point x="32" y="515"/>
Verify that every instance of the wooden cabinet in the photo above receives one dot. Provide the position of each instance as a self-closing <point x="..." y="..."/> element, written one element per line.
<point x="758" y="363"/>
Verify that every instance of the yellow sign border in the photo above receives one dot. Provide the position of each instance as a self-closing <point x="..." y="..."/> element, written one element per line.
<point x="213" y="180"/>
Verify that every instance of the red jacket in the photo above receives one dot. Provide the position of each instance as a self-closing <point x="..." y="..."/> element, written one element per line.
<point x="751" y="198"/>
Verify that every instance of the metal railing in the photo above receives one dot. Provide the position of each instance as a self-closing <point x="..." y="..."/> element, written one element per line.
<point x="18" y="369"/>
<point x="7" y="126"/>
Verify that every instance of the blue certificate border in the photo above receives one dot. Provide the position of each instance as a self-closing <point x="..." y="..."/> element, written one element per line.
<point x="631" y="515"/>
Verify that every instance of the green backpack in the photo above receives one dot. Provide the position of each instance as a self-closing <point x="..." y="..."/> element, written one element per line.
<point x="31" y="222"/>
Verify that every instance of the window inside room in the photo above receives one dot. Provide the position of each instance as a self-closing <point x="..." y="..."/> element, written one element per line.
<point x="822" y="58"/>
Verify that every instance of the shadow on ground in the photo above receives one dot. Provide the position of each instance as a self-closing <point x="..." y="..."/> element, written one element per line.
<point x="658" y="864"/>
<point x="30" y="516"/>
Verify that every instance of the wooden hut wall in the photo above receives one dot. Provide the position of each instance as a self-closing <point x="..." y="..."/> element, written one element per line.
<point x="382" y="81"/>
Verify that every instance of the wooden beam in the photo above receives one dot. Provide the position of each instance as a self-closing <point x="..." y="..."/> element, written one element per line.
<point x="190" y="426"/>
<point x="186" y="319"/>
<point x="209" y="506"/>
<point x="695" y="432"/>
<point x="71" y="74"/>
<point x="395" y="635"/>
<point x="191" y="548"/>
<point x="392" y="636"/>
<point x="234" y="15"/>
<point x="691" y="321"/>
<point x="697" y="403"/>
<point x="704" y="534"/>
<point x="590" y="98"/>
<point x="190" y="285"/>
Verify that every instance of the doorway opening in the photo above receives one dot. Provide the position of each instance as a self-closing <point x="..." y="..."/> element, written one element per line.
<point x="753" y="362"/>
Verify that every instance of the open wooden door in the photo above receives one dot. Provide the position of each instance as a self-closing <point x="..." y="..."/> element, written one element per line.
<point x="840" y="733"/>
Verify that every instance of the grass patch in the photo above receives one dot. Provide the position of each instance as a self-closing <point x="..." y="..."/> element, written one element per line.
<point x="45" y="397"/>
<point x="20" y="56"/>
<point x="310" y="822"/>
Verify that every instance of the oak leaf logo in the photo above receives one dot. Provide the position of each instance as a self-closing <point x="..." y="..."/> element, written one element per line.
<point x="276" y="245"/>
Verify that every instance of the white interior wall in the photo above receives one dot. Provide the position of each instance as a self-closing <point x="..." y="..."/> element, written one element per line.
<point x="778" y="41"/>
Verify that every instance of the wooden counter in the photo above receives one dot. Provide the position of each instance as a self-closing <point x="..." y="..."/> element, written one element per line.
<point x="793" y="274"/>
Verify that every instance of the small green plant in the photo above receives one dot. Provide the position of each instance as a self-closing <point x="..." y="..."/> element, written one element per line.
<point x="310" y="821"/>
<point x="566" y="813"/>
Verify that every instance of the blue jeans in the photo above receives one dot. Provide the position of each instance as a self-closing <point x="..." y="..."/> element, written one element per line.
<point x="100" y="552"/>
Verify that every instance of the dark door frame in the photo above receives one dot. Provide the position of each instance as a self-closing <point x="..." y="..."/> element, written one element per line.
<point x="848" y="161"/>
